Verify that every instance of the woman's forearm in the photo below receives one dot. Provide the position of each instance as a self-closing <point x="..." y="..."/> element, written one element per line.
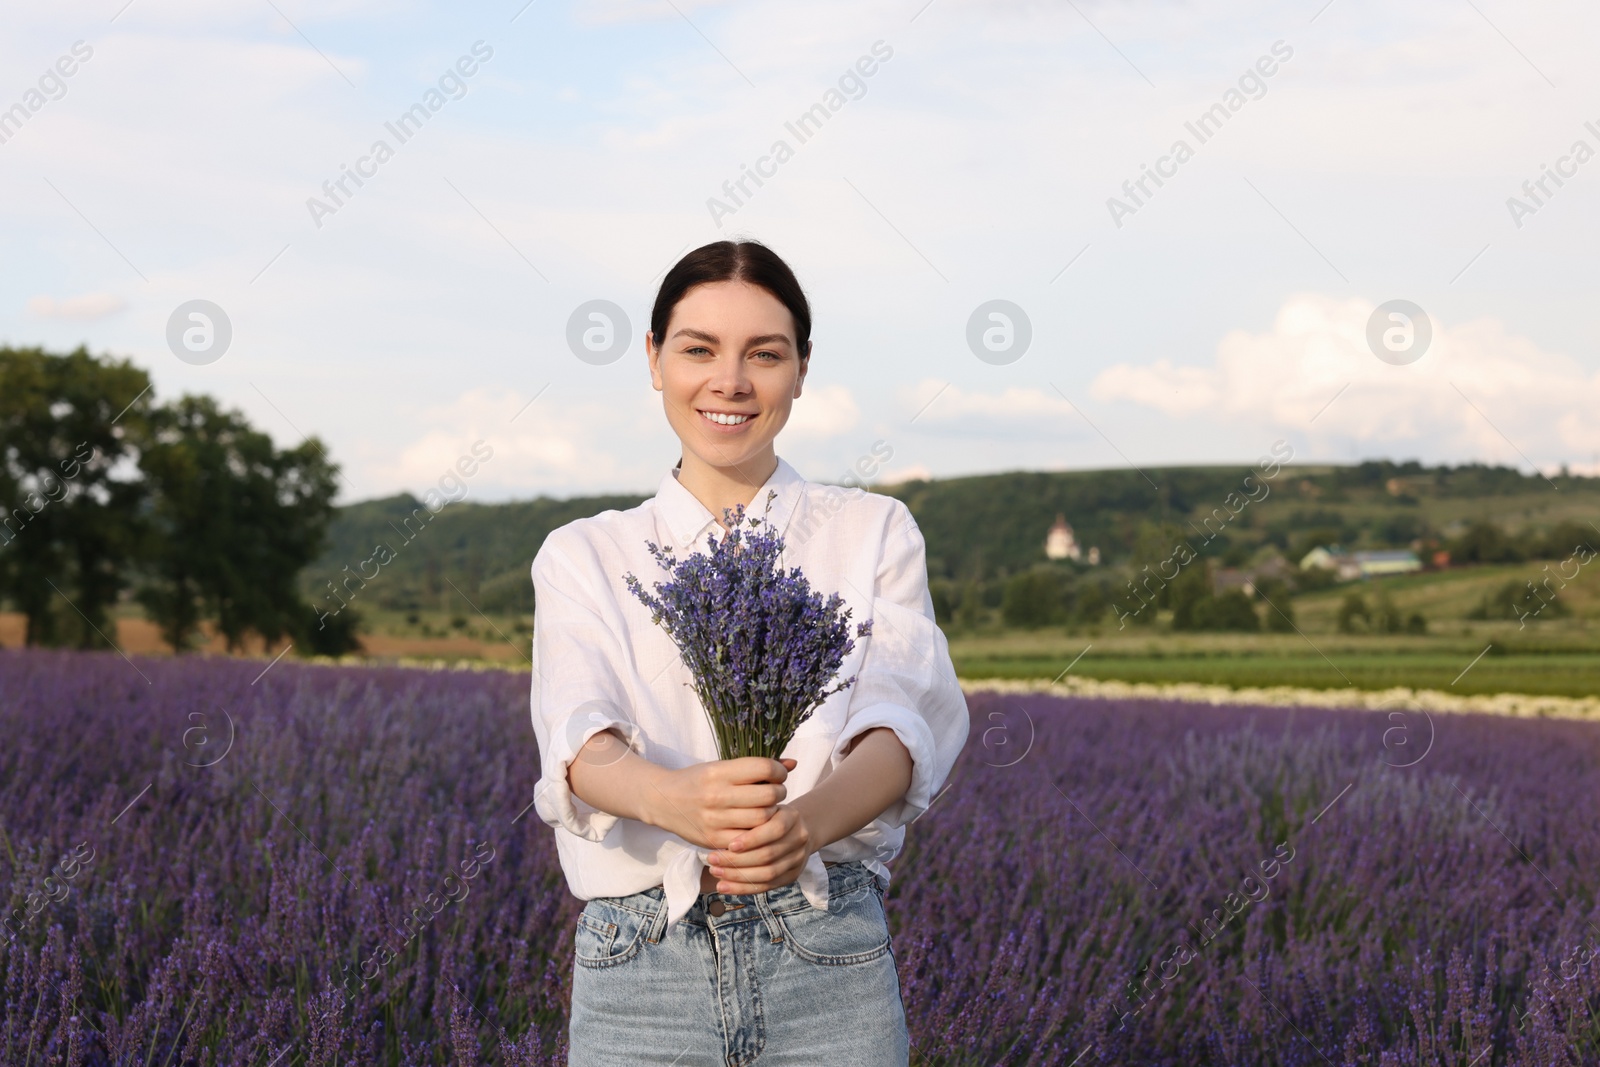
<point x="874" y="774"/>
<point x="607" y="774"/>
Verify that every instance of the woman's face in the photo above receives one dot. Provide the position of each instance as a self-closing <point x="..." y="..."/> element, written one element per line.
<point x="729" y="351"/>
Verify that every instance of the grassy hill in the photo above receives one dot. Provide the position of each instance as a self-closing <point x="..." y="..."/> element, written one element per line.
<point x="463" y="573"/>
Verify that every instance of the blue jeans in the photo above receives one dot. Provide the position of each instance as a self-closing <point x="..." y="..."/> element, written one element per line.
<point x="771" y="981"/>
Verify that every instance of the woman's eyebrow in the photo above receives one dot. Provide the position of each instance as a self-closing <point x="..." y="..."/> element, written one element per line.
<point x="769" y="338"/>
<point x="711" y="338"/>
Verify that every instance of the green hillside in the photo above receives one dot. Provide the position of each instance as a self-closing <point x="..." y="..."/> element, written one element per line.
<point x="982" y="530"/>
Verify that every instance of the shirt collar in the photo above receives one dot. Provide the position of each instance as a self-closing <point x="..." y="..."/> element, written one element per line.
<point x="689" y="519"/>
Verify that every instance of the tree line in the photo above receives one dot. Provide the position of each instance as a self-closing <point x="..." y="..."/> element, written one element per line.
<point x="181" y="506"/>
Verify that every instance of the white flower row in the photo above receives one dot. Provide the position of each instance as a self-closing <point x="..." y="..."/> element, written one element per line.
<point x="1518" y="705"/>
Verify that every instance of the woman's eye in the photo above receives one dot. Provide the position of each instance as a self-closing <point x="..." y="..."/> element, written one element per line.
<point x="773" y="355"/>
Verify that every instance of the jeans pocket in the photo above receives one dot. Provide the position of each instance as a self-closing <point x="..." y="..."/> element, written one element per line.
<point x="608" y="934"/>
<point x="852" y="930"/>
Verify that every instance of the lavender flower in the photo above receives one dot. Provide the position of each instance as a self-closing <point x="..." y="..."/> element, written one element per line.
<point x="1407" y="930"/>
<point x="760" y="644"/>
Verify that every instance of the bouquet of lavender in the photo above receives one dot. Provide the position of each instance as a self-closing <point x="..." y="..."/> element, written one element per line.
<point x="760" y="644"/>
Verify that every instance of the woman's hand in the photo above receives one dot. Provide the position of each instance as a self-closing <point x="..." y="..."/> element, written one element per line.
<point x="766" y="857"/>
<point x="710" y="804"/>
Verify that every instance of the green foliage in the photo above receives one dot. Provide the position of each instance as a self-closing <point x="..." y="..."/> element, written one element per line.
<point x="1091" y="602"/>
<point x="1189" y="591"/>
<point x="331" y="634"/>
<point x="1486" y="542"/>
<point x="1525" y="601"/>
<point x="1196" y="607"/>
<point x="972" y="610"/>
<point x="981" y="529"/>
<point x="1354" y="607"/>
<point x="1231" y="610"/>
<point x="1277" y="606"/>
<point x="944" y="594"/>
<point x="102" y="490"/>
<point x="1034" y="598"/>
<point x="234" y="521"/>
<point x="1568" y="538"/>
<point x="1314" y="578"/>
<point x="70" y="513"/>
<point x="1386" y="617"/>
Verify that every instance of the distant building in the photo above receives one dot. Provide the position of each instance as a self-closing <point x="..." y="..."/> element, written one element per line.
<point x="1326" y="559"/>
<point x="1249" y="580"/>
<point x="1370" y="564"/>
<point x="1060" y="543"/>
<point x="1350" y="565"/>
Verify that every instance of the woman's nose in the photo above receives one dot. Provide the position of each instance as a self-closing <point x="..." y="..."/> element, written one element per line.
<point x="730" y="376"/>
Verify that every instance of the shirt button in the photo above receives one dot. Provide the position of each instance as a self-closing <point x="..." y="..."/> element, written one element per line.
<point x="716" y="907"/>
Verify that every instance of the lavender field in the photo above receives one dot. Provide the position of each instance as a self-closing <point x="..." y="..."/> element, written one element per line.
<point x="339" y="865"/>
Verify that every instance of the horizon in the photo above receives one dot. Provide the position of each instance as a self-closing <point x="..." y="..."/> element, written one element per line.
<point x="1306" y="467"/>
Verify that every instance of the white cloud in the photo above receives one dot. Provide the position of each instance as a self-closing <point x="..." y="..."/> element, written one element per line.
<point x="934" y="403"/>
<point x="1478" y="389"/>
<point x="823" y="411"/>
<point x="896" y="475"/>
<point x="555" y="445"/>
<point x="85" y="308"/>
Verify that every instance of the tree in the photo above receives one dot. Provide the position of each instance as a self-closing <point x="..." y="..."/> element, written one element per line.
<point x="1280" y="608"/>
<point x="1091" y="603"/>
<point x="942" y="592"/>
<point x="971" y="611"/>
<point x="1484" y="542"/>
<point x="1032" y="598"/>
<point x="1520" y="601"/>
<point x="1567" y="538"/>
<point x="1386" y="615"/>
<point x="68" y="424"/>
<point x="234" y="520"/>
<point x="1354" y="607"/>
<point x="1231" y="610"/>
<point x="1189" y="591"/>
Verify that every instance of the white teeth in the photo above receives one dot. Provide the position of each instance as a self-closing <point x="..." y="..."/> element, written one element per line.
<point x="726" y="420"/>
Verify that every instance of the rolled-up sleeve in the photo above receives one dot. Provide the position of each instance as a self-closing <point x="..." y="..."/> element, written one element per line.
<point x="576" y="690"/>
<point x="906" y="680"/>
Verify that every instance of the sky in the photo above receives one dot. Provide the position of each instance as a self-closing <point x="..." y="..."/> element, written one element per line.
<point x="1035" y="236"/>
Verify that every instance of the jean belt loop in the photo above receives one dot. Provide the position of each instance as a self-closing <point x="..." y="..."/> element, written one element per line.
<point x="774" y="928"/>
<point x="658" y="921"/>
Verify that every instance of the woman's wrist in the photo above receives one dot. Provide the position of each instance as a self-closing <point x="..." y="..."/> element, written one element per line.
<point x="874" y="774"/>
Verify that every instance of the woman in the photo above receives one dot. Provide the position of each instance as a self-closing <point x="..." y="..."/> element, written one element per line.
<point x="735" y="907"/>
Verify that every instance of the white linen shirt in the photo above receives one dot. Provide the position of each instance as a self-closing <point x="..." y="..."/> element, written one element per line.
<point x="599" y="661"/>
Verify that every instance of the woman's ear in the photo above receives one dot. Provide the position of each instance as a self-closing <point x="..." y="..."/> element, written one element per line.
<point x="655" y="360"/>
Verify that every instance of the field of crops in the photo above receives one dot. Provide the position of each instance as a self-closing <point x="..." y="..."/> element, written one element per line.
<point x="202" y="862"/>
<point x="1481" y="658"/>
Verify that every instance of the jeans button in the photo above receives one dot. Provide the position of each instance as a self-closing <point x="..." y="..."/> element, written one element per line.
<point x="717" y="907"/>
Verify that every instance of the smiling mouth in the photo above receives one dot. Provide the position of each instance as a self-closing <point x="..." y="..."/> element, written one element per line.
<point x="725" y="418"/>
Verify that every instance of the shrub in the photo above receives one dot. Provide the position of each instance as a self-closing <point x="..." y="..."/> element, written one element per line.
<point x="1354" y="607"/>
<point x="1229" y="611"/>
<point x="1032" y="598"/>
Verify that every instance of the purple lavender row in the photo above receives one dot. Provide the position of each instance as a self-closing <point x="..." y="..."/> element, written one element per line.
<point x="1433" y="914"/>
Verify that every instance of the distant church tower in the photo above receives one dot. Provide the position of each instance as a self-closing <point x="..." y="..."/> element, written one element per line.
<point x="1060" y="543"/>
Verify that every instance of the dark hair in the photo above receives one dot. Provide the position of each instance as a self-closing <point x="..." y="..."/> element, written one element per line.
<point x="723" y="261"/>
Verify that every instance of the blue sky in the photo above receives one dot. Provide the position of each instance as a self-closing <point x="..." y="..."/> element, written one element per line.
<point x="976" y="163"/>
